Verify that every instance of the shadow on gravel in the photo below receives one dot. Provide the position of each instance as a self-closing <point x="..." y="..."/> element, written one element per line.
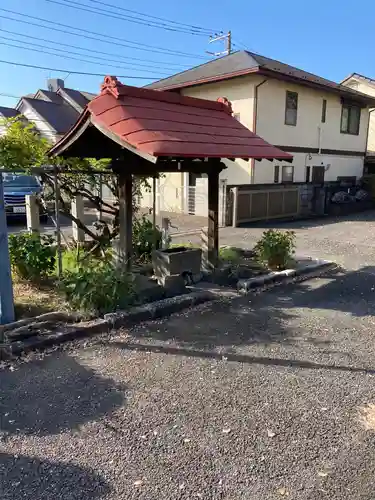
<point x="352" y="292"/>
<point x="241" y="358"/>
<point x="54" y="395"/>
<point x="31" y="478"/>
<point x="233" y="323"/>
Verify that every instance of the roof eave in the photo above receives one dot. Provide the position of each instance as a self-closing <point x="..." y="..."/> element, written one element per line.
<point x="212" y="79"/>
<point x="273" y="74"/>
<point x="76" y="131"/>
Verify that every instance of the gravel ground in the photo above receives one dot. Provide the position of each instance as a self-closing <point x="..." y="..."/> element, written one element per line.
<point x="266" y="397"/>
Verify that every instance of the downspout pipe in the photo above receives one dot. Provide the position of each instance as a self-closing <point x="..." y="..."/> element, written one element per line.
<point x="255" y="116"/>
<point x="368" y="127"/>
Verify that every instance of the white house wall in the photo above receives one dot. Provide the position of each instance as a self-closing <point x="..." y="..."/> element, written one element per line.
<point x="271" y="119"/>
<point x="40" y="124"/>
<point x="335" y="166"/>
<point x="368" y="88"/>
<point x="240" y="92"/>
<point x="309" y="132"/>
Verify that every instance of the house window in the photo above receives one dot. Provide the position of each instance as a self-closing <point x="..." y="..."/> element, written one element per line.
<point x="350" y="118"/>
<point x="276" y="173"/>
<point x="324" y="110"/>
<point x="291" y="104"/>
<point x="287" y="173"/>
<point x="308" y="173"/>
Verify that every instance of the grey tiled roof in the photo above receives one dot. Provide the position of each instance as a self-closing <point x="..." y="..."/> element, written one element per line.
<point x="244" y="62"/>
<point x="48" y="96"/>
<point x="60" y="116"/>
<point x="78" y="97"/>
<point x="8" y="112"/>
<point x="236" y="62"/>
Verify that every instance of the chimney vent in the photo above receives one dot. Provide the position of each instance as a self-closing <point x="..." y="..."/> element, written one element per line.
<point x="53" y="84"/>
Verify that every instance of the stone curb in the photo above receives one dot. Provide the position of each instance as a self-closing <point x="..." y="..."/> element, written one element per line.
<point x="146" y="312"/>
<point x="247" y="286"/>
<point x="158" y="309"/>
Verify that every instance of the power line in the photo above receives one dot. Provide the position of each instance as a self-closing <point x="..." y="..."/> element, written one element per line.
<point x="70" y="57"/>
<point x="63" y="55"/>
<point x="238" y="43"/>
<point x="119" y="58"/>
<point x="59" y="70"/>
<point x="153" y="17"/>
<point x="132" y="19"/>
<point x="10" y="95"/>
<point x="107" y="38"/>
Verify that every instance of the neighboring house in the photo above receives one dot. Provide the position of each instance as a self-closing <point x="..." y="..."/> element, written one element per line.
<point x="52" y="111"/>
<point x="322" y="123"/>
<point x="365" y="85"/>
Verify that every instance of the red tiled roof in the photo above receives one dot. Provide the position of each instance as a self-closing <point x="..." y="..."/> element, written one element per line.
<point x="164" y="124"/>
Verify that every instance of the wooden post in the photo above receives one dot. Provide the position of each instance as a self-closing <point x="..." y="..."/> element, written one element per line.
<point x="58" y="224"/>
<point x="125" y="183"/>
<point x="213" y="218"/>
<point x="154" y="212"/>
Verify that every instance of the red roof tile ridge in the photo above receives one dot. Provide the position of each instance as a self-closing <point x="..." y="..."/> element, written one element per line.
<point x="113" y="86"/>
<point x="226" y="102"/>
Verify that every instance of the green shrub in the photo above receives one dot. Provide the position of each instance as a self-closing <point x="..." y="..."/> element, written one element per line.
<point x="32" y="255"/>
<point x="70" y="259"/>
<point x="185" y="245"/>
<point x="145" y="237"/>
<point x="276" y="248"/>
<point x="229" y="254"/>
<point x="97" y="287"/>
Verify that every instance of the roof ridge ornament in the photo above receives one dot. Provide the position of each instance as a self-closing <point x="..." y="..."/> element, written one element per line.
<point x="111" y="84"/>
<point x="227" y="103"/>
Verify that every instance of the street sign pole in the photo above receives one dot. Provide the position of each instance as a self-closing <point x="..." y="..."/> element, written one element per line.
<point x="6" y="287"/>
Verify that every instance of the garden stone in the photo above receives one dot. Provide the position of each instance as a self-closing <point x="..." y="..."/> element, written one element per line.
<point x="147" y="290"/>
<point x="173" y="285"/>
<point x="177" y="261"/>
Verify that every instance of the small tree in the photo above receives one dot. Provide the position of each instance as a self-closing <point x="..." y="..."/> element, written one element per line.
<point x="23" y="149"/>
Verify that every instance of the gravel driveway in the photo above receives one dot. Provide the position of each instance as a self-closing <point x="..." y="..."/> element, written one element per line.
<point x="265" y="397"/>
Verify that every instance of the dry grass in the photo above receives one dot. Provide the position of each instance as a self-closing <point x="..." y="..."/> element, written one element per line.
<point x="367" y="416"/>
<point x="31" y="300"/>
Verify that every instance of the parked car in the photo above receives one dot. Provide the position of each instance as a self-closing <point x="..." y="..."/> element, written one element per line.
<point x="16" y="187"/>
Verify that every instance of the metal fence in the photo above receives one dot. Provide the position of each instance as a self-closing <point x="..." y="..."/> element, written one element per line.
<point x="267" y="203"/>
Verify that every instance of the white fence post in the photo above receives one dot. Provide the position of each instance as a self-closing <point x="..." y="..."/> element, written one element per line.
<point x="77" y="210"/>
<point x="223" y="203"/>
<point x="235" y="206"/>
<point x="32" y="213"/>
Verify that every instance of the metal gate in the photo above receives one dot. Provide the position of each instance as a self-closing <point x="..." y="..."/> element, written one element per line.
<point x="252" y="205"/>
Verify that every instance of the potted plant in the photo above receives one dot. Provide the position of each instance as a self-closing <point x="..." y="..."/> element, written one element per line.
<point x="276" y="248"/>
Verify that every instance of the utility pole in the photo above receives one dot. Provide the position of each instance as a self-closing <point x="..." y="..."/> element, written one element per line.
<point x="228" y="43"/>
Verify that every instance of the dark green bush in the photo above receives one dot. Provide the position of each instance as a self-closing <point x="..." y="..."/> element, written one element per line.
<point x="144" y="238"/>
<point x="229" y="255"/>
<point x="32" y="255"/>
<point x="276" y="248"/>
<point x="97" y="287"/>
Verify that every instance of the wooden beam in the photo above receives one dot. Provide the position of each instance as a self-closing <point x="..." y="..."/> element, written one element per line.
<point x="125" y="250"/>
<point x="213" y="218"/>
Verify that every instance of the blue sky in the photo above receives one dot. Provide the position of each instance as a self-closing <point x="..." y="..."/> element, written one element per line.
<point x="321" y="36"/>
